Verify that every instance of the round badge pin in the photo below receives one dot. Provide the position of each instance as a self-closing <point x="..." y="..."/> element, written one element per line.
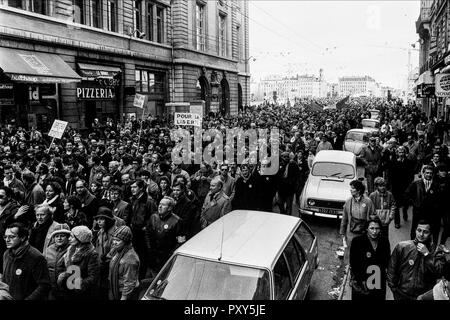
<point x="368" y="254"/>
<point x="411" y="262"/>
<point x="363" y="205"/>
<point x="18" y="272"/>
<point x="166" y="226"/>
<point x="249" y="185"/>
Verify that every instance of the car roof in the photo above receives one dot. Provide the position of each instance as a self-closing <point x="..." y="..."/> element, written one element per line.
<point x="252" y="238"/>
<point x="334" y="156"/>
<point x="363" y="130"/>
<point x="370" y="119"/>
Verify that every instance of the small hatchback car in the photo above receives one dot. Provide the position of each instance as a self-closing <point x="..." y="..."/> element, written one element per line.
<point x="245" y="255"/>
<point x="328" y="184"/>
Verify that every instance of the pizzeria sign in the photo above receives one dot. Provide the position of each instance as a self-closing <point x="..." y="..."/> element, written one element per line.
<point x="95" y="93"/>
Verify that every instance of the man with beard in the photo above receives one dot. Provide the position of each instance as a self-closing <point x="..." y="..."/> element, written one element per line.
<point x="415" y="265"/>
<point x="89" y="202"/>
<point x="246" y="189"/>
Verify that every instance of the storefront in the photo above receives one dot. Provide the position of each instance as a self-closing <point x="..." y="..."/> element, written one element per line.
<point x="99" y="93"/>
<point x="30" y="84"/>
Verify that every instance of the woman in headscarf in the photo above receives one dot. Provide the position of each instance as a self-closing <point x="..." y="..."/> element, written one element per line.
<point x="124" y="266"/>
<point x="82" y="258"/>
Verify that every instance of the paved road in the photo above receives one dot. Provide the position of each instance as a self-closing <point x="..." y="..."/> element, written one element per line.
<point x="328" y="277"/>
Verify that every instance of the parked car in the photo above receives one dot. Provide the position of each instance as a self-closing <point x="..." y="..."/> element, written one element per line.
<point x="373" y="124"/>
<point x="355" y="139"/>
<point x="328" y="184"/>
<point x="244" y="255"/>
<point x="374" y="114"/>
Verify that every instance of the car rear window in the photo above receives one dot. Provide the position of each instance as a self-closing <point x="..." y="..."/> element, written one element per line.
<point x="369" y="123"/>
<point x="188" y="278"/>
<point x="357" y="136"/>
<point x="332" y="169"/>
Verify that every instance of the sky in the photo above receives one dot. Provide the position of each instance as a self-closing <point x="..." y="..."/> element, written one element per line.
<point x="344" y="38"/>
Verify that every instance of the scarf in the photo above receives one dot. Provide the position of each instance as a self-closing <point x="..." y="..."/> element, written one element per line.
<point x="114" y="271"/>
<point x="75" y="254"/>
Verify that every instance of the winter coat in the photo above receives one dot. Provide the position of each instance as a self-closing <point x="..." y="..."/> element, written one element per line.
<point x="214" y="207"/>
<point x="187" y="211"/>
<point x="25" y="272"/>
<point x="123" y="273"/>
<point x="161" y="238"/>
<point x="34" y="195"/>
<point x="425" y="203"/>
<point x="410" y="273"/>
<point x="246" y="196"/>
<point x="356" y="213"/>
<point x="384" y="206"/>
<point x="122" y="209"/>
<point x="57" y="208"/>
<point x="6" y="218"/>
<point x="40" y="235"/>
<point x="363" y="256"/>
<point x="437" y="293"/>
<point x="142" y="208"/>
<point x="54" y="256"/>
<point x="88" y="262"/>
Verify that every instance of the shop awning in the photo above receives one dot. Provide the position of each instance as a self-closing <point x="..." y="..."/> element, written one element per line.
<point x="36" y="67"/>
<point x="93" y="71"/>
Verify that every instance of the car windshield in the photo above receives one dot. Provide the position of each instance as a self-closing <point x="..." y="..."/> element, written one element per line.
<point x="355" y="136"/>
<point x="369" y="123"/>
<point x="188" y="278"/>
<point x="332" y="169"/>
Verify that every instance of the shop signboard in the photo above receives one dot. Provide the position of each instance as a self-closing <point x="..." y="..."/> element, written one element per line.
<point x="6" y="94"/>
<point x="425" y="90"/>
<point x="443" y="85"/>
<point x="86" y="92"/>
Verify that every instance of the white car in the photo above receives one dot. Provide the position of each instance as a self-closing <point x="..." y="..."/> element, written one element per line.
<point x="244" y="255"/>
<point x="328" y="184"/>
<point x="373" y="124"/>
<point x="355" y="139"/>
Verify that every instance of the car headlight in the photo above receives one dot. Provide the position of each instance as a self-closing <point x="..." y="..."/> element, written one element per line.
<point x="311" y="202"/>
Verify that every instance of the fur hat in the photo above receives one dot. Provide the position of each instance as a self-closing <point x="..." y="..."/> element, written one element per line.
<point x="82" y="234"/>
<point x="61" y="228"/>
<point x="123" y="233"/>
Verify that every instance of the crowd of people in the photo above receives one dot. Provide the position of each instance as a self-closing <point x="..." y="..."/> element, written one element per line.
<point x="91" y="216"/>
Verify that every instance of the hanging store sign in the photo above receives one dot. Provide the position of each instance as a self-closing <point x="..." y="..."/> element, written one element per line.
<point x="95" y="93"/>
<point x="425" y="90"/>
<point x="6" y="94"/>
<point x="443" y="85"/>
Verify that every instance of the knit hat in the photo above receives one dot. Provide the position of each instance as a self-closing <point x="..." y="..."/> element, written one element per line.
<point x="123" y="233"/>
<point x="61" y="228"/>
<point x="104" y="212"/>
<point x="82" y="234"/>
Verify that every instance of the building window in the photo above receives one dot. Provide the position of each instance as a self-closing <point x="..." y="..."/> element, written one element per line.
<point x="159" y="24"/>
<point x="238" y="43"/>
<point x="137" y="8"/>
<point x="200" y="30"/>
<point x="96" y="13"/>
<point x="111" y="12"/>
<point x="149" y="82"/>
<point x="155" y="23"/>
<point x="78" y="11"/>
<point x="38" y="6"/>
<point x="222" y="35"/>
<point x="150" y="21"/>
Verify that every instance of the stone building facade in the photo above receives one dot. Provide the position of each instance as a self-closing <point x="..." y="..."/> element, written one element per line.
<point x="78" y="60"/>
